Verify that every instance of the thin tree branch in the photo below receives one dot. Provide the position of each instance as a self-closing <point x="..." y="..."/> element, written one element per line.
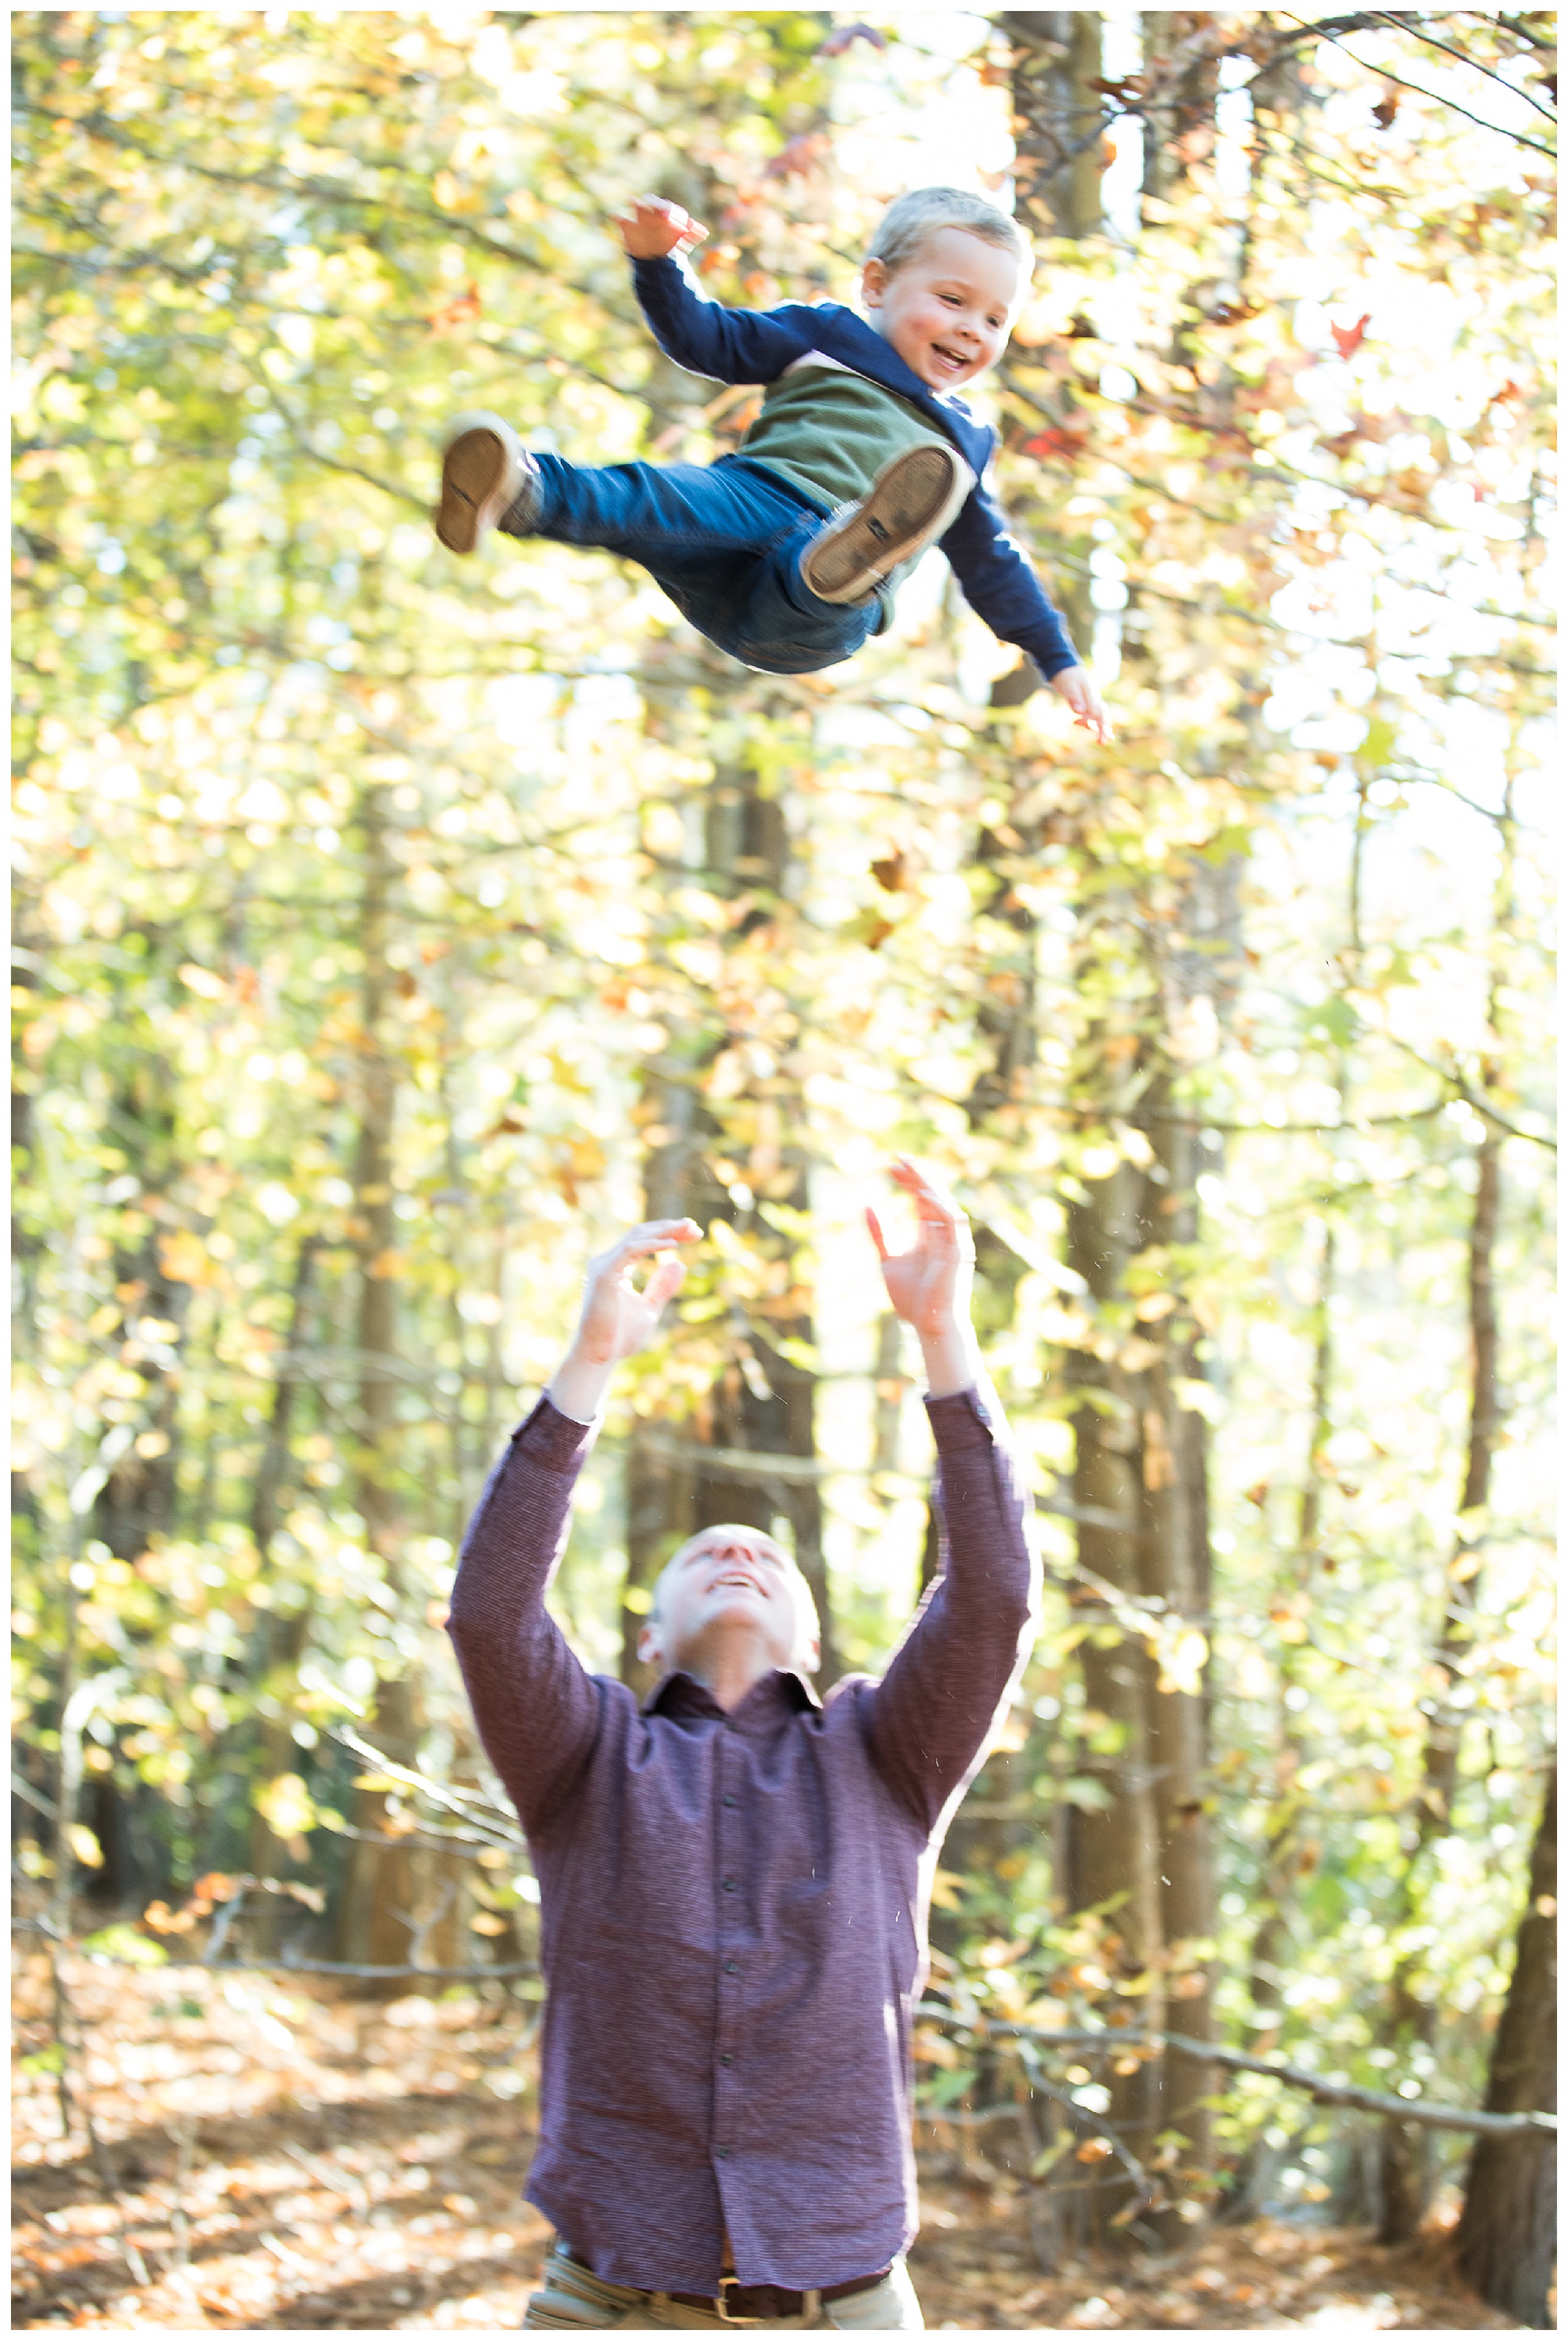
<point x="1325" y="2091"/>
<point x="1433" y="95"/>
<point x="1400" y="25"/>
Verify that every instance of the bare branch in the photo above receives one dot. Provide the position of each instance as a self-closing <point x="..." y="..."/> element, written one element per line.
<point x="1325" y="2091"/>
<point x="1400" y="25"/>
<point x="1434" y="97"/>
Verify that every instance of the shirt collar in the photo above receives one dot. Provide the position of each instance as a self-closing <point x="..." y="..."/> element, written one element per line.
<point x="781" y="1691"/>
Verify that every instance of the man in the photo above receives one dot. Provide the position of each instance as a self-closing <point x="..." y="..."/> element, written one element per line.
<point x="733" y="1879"/>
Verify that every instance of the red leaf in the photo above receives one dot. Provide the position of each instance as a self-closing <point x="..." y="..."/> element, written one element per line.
<point x="1057" y="443"/>
<point x="802" y="155"/>
<point x="460" y="312"/>
<point x="1347" y="339"/>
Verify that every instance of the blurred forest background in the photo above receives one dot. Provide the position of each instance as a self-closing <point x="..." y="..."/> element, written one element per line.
<point x="390" y="929"/>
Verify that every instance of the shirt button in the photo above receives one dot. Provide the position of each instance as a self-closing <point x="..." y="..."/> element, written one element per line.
<point x="731" y="1967"/>
<point x="726" y="2060"/>
<point x="723" y="2152"/>
<point x="729" y="1801"/>
<point x="729" y="1886"/>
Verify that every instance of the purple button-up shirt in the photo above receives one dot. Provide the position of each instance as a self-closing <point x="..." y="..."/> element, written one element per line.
<point x="733" y="1905"/>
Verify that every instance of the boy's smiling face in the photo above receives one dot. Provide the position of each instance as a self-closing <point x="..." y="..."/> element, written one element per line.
<point x="948" y="308"/>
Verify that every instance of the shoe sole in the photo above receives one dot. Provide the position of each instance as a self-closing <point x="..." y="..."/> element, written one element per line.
<point x="482" y="471"/>
<point x="912" y="500"/>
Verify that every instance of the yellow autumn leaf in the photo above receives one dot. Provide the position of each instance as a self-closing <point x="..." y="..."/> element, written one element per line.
<point x="1181" y="1665"/>
<point x="286" y="1806"/>
<point x="185" y="1259"/>
<point x="84" y="1845"/>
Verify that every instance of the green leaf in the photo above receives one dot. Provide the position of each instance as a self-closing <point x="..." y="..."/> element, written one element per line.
<point x="127" y="1946"/>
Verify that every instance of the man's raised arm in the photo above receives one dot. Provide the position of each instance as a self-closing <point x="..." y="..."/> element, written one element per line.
<point x="933" y="1711"/>
<point x="536" y="1707"/>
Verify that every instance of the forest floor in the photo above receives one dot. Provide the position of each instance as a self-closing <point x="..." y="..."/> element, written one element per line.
<point x="284" y="2161"/>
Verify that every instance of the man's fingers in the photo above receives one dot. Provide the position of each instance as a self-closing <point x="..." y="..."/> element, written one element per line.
<point x="654" y="1235"/>
<point x="666" y="1279"/>
<point x="874" y="1224"/>
<point x="925" y="1190"/>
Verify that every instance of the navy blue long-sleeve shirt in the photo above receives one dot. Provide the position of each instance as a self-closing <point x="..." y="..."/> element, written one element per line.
<point x="744" y="346"/>
<point x="733" y="1905"/>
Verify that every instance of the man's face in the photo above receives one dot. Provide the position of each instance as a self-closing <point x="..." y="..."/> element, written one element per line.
<point x="947" y="310"/>
<point x="724" y="1579"/>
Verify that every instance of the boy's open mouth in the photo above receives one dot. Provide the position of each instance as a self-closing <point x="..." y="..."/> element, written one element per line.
<point x="950" y="361"/>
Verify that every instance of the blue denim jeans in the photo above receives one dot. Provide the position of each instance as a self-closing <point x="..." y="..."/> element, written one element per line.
<point x="723" y="541"/>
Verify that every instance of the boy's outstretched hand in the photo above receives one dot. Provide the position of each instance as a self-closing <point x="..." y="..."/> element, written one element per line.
<point x="1076" y="686"/>
<point x="654" y="228"/>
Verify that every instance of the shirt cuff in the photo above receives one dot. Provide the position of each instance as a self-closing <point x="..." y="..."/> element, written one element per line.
<point x="556" y="1440"/>
<point x="960" y="1419"/>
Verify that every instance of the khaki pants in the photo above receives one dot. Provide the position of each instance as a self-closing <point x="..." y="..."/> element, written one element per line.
<point x="575" y="2299"/>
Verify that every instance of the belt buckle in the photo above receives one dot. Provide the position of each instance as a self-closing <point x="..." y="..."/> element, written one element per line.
<point x="725" y="2281"/>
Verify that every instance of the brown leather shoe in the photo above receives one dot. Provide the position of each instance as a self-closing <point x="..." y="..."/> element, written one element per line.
<point x="914" y="499"/>
<point x="483" y="471"/>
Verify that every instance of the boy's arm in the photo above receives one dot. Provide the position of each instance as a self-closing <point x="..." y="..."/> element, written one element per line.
<point x="999" y="584"/>
<point x="722" y="345"/>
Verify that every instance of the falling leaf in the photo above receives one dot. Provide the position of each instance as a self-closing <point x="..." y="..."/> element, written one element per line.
<point x="1057" y="442"/>
<point x="203" y="981"/>
<point x="286" y="1806"/>
<point x="459" y="311"/>
<point x="845" y="37"/>
<point x="84" y="1845"/>
<point x="799" y="157"/>
<point x="1347" y="339"/>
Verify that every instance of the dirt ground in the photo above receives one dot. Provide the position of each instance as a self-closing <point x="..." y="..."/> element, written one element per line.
<point x="283" y="2161"/>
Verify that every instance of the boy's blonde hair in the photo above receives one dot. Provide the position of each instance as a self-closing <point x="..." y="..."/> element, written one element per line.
<point x="906" y="225"/>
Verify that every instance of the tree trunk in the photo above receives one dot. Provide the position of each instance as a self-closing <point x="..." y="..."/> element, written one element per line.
<point x="1113" y="1850"/>
<point x="1407" y="2155"/>
<point x="1059" y="111"/>
<point x="281" y="1638"/>
<point x="760" y="1403"/>
<point x="1506" y="2236"/>
<point x="1182" y="75"/>
<point x="1175" y="1569"/>
<point x="389" y="1890"/>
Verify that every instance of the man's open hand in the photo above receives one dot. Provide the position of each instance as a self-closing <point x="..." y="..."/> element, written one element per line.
<point x="1076" y="685"/>
<point x="929" y="1284"/>
<point x="617" y="1321"/>
<point x="654" y="227"/>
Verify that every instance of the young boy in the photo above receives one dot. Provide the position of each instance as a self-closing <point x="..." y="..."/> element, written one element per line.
<point x="787" y="554"/>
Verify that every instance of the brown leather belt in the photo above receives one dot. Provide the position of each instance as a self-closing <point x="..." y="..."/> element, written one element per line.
<point x="761" y="2302"/>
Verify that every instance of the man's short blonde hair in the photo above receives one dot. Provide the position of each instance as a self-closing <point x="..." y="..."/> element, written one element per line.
<point x="906" y="225"/>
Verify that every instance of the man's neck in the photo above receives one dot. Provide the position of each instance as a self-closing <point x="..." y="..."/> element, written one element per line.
<point x="728" y="1667"/>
